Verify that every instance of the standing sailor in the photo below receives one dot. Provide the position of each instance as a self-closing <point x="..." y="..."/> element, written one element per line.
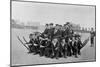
<point x="79" y="44"/>
<point x="92" y="35"/>
<point x="45" y="33"/>
<point x="51" y="30"/>
<point x="64" y="48"/>
<point x="75" y="47"/>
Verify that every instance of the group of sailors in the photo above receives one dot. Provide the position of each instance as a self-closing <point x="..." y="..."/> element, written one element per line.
<point x="56" y="41"/>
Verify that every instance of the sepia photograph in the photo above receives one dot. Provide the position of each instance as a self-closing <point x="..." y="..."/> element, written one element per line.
<point x="52" y="33"/>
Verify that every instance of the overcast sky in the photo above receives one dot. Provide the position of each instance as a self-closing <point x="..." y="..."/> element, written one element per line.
<point x="53" y="13"/>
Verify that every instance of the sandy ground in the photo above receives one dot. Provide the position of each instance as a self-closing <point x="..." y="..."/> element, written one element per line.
<point x="19" y="54"/>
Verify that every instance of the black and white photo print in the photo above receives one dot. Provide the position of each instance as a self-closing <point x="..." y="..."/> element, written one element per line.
<point x="52" y="33"/>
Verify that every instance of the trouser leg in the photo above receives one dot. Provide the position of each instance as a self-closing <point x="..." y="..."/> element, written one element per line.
<point x="65" y="53"/>
<point x="76" y="52"/>
<point x="92" y="42"/>
<point x="57" y="54"/>
<point x="41" y="51"/>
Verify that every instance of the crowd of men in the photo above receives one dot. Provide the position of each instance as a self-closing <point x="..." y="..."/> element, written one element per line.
<point x="56" y="41"/>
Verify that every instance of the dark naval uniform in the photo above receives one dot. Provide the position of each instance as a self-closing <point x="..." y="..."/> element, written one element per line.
<point x="75" y="48"/>
<point x="79" y="45"/>
<point x="64" y="49"/>
<point x="66" y="34"/>
<point x="57" y="34"/>
<point x="56" y="50"/>
<point x="32" y="47"/>
<point x="92" y="33"/>
<point x="50" y="33"/>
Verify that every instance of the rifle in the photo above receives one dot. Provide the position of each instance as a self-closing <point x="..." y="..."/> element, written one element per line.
<point x="22" y="42"/>
<point x="25" y="39"/>
<point x="85" y="42"/>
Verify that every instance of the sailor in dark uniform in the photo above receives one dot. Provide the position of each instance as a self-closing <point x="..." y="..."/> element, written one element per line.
<point x="48" y="49"/>
<point x="74" y="46"/>
<point x="34" y="47"/>
<point x="43" y="38"/>
<point x="37" y="44"/>
<point x="51" y="30"/>
<point x="46" y="39"/>
<point x="45" y="33"/>
<point x="92" y="35"/>
<point x="48" y="31"/>
<point x="44" y="42"/>
<point x="69" y="46"/>
<point x="64" y="48"/>
<point x="63" y="31"/>
<point x="47" y="42"/>
<point x="56" y="41"/>
<point x="57" y="33"/>
<point x="79" y="44"/>
<point x="64" y="44"/>
<point x="66" y="33"/>
<point x="31" y="44"/>
<point x="56" y="48"/>
<point x="43" y="45"/>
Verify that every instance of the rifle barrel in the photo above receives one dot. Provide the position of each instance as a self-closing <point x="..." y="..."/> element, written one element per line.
<point x="22" y="42"/>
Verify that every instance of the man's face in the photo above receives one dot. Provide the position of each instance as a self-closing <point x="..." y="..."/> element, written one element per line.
<point x="57" y="27"/>
<point x="63" y="41"/>
<point x="79" y="38"/>
<point x="33" y="36"/>
<point x="92" y="29"/>
<point x="60" y="27"/>
<point x="73" y="38"/>
<point x="51" y="26"/>
<point x="46" y="26"/>
<point x="67" y="26"/>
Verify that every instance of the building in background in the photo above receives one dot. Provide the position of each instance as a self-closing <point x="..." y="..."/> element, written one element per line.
<point x="33" y="24"/>
<point x="75" y="26"/>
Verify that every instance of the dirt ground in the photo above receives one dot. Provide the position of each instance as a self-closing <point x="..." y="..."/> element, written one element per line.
<point x="19" y="55"/>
